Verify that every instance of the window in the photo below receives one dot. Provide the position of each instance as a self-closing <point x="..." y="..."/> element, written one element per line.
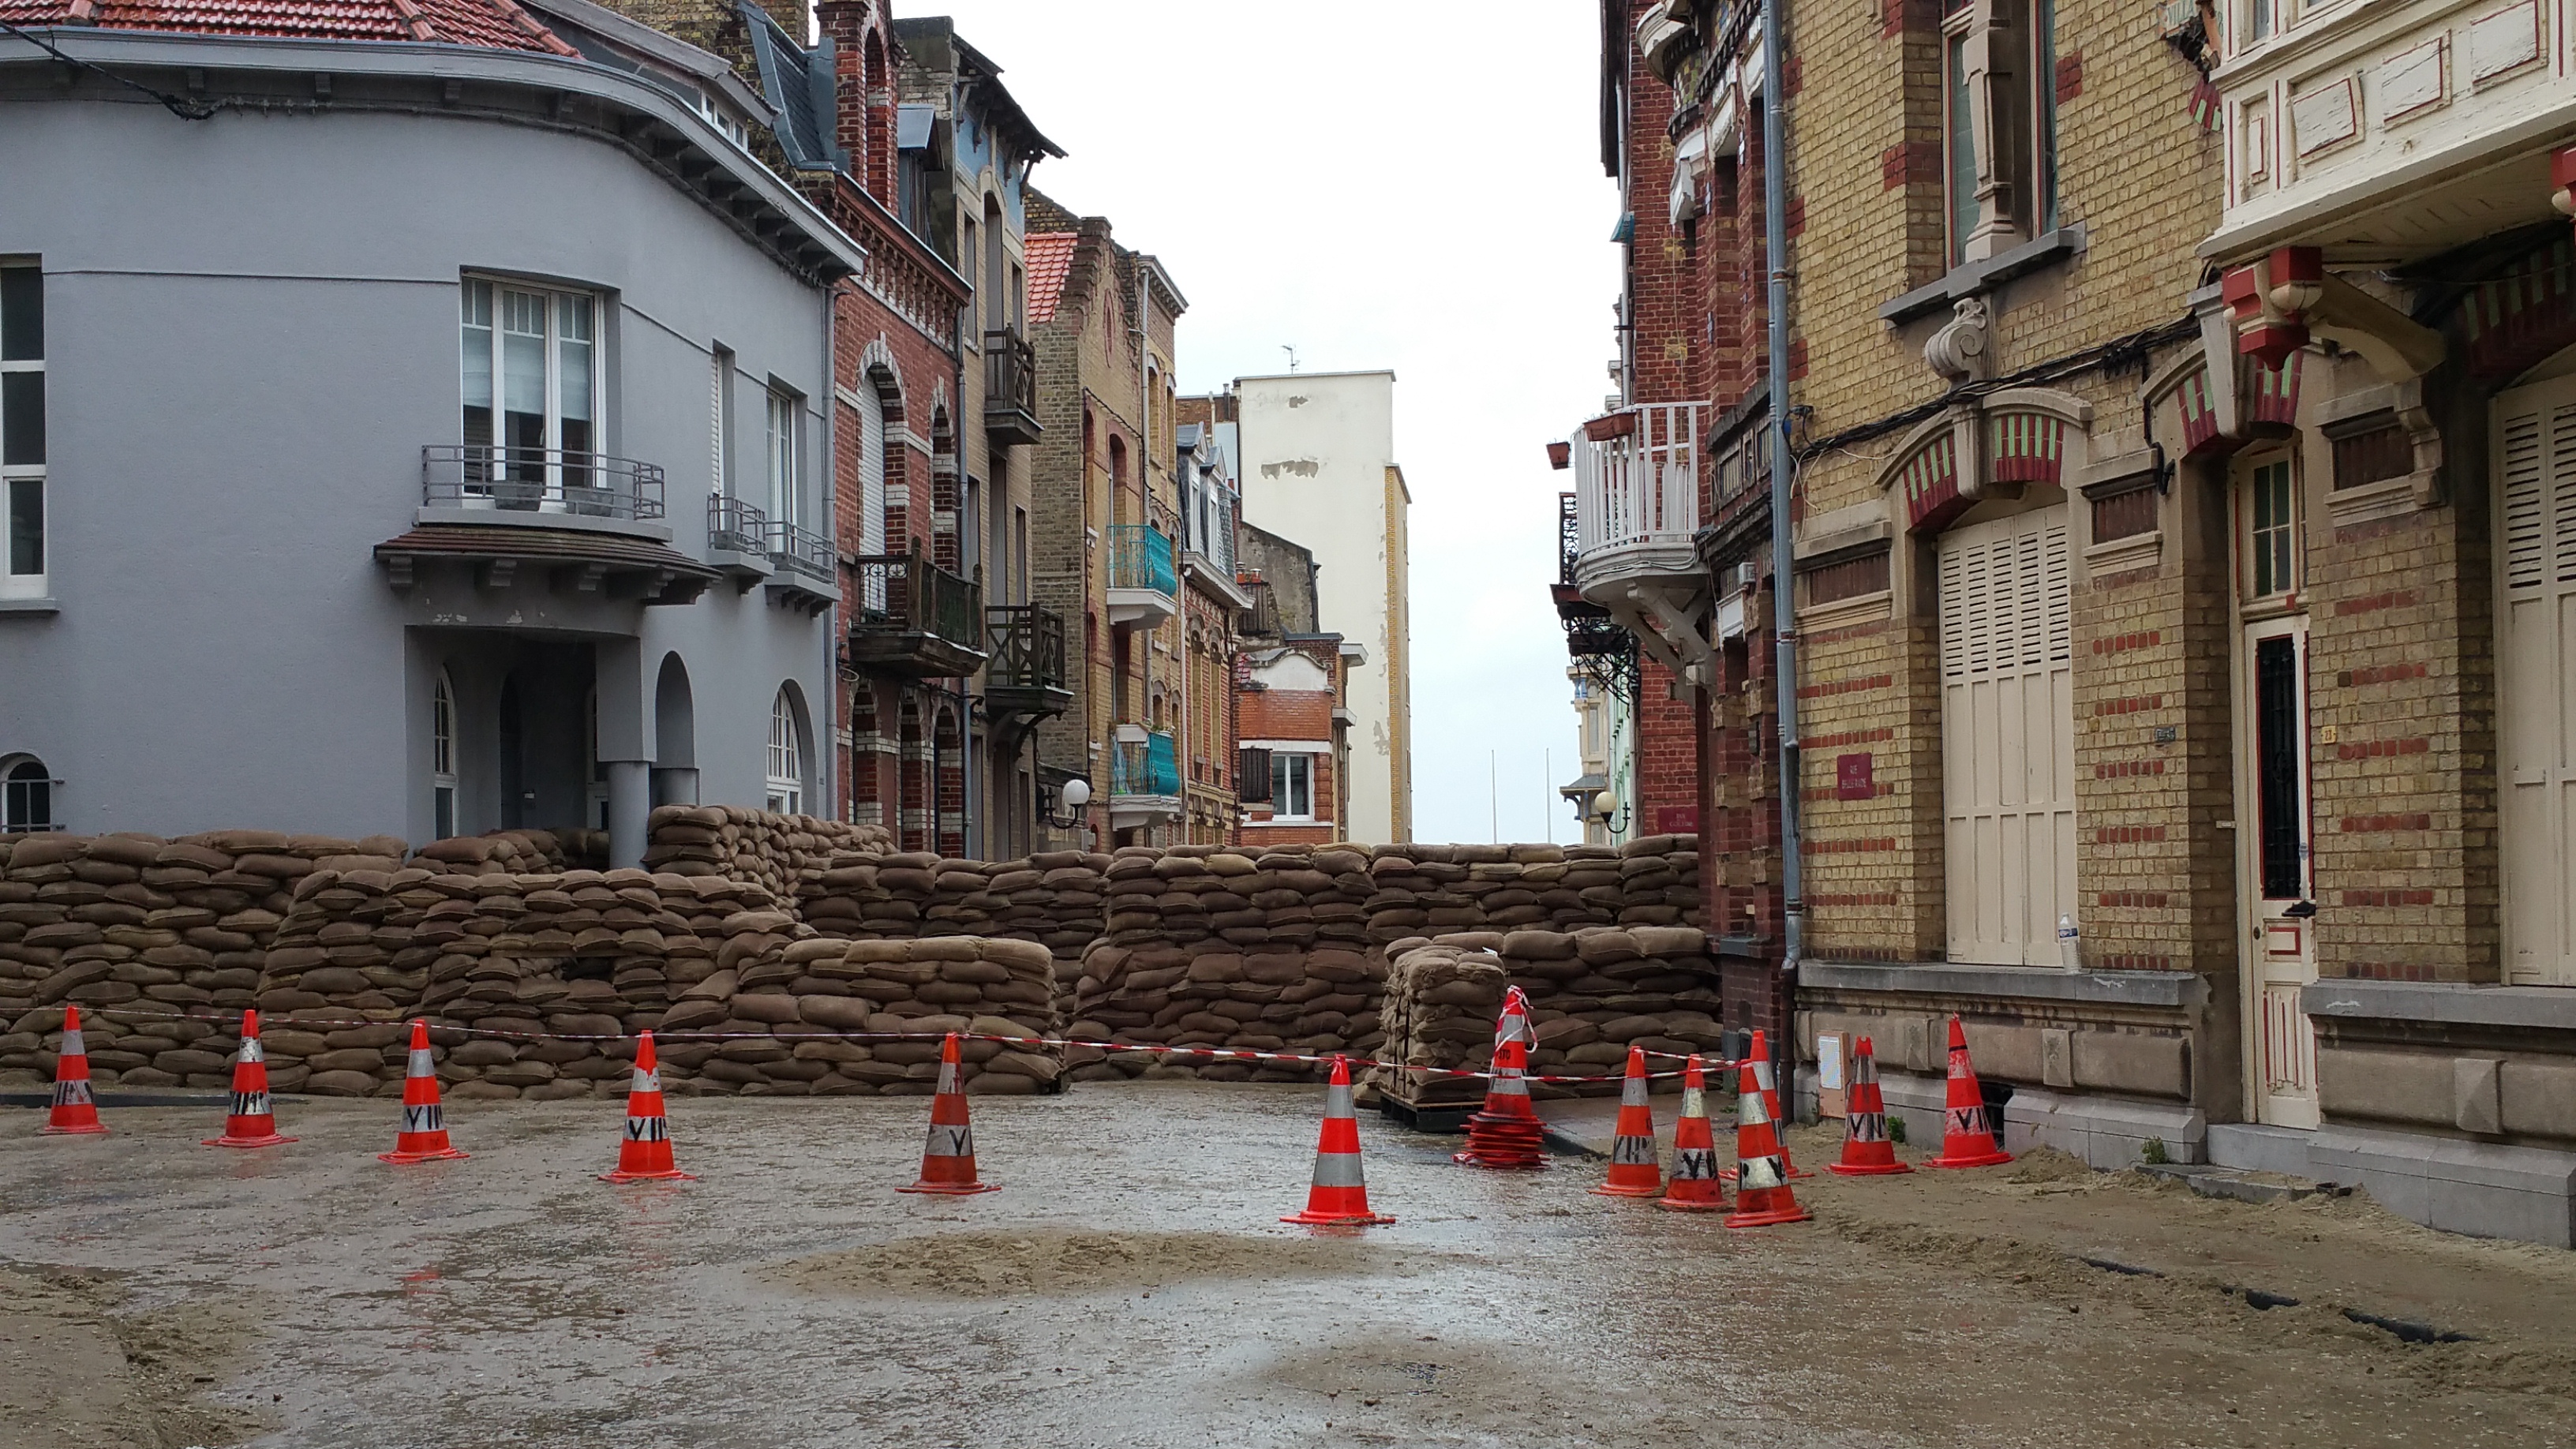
<point x="22" y="433"/>
<point x="720" y="425"/>
<point x="531" y="386"/>
<point x="442" y="757"/>
<point x="786" y="758"/>
<point x="2272" y="534"/>
<point x="1998" y="124"/>
<point x="26" y="797"/>
<point x="967" y="256"/>
<point x="2532" y="460"/>
<point x="1292" y="787"/>
<point x="786" y="457"/>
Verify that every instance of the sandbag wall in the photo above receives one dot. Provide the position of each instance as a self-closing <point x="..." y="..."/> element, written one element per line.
<point x="786" y="854"/>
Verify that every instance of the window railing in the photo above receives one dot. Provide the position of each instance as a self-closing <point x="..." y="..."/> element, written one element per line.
<point x="1141" y="558"/>
<point x="1636" y="476"/>
<point x="539" y="480"/>
<point x="1027" y="647"/>
<point x="1010" y="373"/>
<point x="803" y="550"/>
<point x="1569" y="537"/>
<point x="1150" y="766"/>
<point x="905" y="593"/>
<point x="736" y="525"/>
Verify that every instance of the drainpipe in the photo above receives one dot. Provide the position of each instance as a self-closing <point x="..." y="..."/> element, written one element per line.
<point x="1775" y="252"/>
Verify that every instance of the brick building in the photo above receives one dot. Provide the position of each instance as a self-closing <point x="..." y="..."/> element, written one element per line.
<point x="1292" y="712"/>
<point x="1104" y="530"/>
<point x="2178" y="461"/>
<point x="1213" y="603"/>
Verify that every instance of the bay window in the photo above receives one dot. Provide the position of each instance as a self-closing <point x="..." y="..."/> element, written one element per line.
<point x="531" y="388"/>
<point x="23" y="565"/>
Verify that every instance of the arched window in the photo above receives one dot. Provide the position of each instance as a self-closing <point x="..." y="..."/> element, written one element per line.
<point x="442" y="757"/>
<point x="26" y="797"/>
<point x="786" y="758"/>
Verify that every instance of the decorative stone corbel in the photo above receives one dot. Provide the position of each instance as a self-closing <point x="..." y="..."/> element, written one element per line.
<point x="1959" y="350"/>
<point x="1664" y="629"/>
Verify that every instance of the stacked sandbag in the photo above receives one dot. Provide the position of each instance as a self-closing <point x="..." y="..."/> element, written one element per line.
<point x="1442" y="999"/>
<point x="1053" y="898"/>
<point x="1659" y="881"/>
<point x="774" y="1021"/>
<point x="500" y="852"/>
<point x="1595" y="992"/>
<point x="786" y="854"/>
<point x="138" y="930"/>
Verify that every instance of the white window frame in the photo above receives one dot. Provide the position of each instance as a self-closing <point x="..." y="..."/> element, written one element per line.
<point x="786" y="757"/>
<point x="20" y="479"/>
<point x="2291" y="553"/>
<point x="482" y="304"/>
<point x="784" y="456"/>
<point x="17" y="774"/>
<point x="720" y="424"/>
<point x="442" y="757"/>
<point x="2022" y="104"/>
<point x="1283" y="771"/>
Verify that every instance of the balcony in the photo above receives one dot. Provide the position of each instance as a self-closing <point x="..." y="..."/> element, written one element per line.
<point x="2392" y="132"/>
<point x="909" y="616"/>
<point x="1629" y="547"/>
<point x="1010" y="388"/>
<point x="1025" y="678"/>
<point x="738" y="541"/>
<point x="800" y="566"/>
<point x="1144" y="778"/>
<point x="1144" y="586"/>
<point x="493" y="521"/>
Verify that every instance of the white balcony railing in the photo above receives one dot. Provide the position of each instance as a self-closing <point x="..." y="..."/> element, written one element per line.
<point x="1636" y="478"/>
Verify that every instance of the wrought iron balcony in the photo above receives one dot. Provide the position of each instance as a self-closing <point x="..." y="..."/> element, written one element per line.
<point x="545" y="484"/>
<point x="1026" y="674"/>
<point x="1148" y="767"/>
<point x="801" y="549"/>
<point x="1144" y="585"/>
<point x="1010" y="388"/>
<point x="738" y="540"/>
<point x="909" y="616"/>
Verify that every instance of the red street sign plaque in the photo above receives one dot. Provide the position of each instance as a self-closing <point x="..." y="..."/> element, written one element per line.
<point x="1852" y="778"/>
<point x="1677" y="820"/>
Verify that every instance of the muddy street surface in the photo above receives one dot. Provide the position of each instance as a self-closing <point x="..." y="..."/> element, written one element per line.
<point x="1130" y="1285"/>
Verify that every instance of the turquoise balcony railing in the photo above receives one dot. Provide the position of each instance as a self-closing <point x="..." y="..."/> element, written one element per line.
<point x="1141" y="558"/>
<point x="1150" y="766"/>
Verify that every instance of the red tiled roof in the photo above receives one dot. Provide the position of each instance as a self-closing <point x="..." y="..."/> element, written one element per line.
<point x="490" y="24"/>
<point x="1050" y="260"/>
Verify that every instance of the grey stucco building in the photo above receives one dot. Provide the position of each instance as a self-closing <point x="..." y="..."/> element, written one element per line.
<point x="413" y="435"/>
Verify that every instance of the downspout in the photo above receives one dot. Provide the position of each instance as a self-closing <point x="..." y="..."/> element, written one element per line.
<point x="1784" y="627"/>
<point x="970" y="831"/>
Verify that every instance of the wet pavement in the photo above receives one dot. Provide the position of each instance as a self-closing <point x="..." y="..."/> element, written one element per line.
<point x="1130" y="1286"/>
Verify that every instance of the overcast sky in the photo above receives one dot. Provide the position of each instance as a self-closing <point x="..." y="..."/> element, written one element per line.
<point x="1387" y="184"/>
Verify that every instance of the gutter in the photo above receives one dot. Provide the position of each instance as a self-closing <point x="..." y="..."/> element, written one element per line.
<point x="1775" y="251"/>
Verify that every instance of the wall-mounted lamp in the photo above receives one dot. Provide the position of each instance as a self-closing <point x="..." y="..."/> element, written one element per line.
<point x="1606" y="805"/>
<point x="1072" y="795"/>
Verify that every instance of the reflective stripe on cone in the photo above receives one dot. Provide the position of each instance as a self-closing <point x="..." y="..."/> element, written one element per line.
<point x="644" y="1153"/>
<point x="1339" y="1194"/>
<point x="948" y="1152"/>
<point x="252" y="1121"/>
<point x="423" y="1137"/>
<point x="1634" y="1168"/>
<point x="74" y="1109"/>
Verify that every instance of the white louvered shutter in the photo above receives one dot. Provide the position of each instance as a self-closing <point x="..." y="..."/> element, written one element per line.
<point x="872" y="493"/>
<point x="2008" y="737"/>
<point x="2535" y="463"/>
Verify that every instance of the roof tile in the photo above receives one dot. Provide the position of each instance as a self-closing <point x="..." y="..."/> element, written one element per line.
<point x="1050" y="260"/>
<point x="489" y="24"/>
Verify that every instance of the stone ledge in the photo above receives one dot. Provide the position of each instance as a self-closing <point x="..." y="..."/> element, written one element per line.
<point x="2545" y="1008"/>
<point x="2173" y="989"/>
<point x="2109" y="1133"/>
<point x="2483" y="1189"/>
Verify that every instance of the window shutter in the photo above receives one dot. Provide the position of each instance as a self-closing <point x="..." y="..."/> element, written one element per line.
<point x="1252" y="776"/>
<point x="2535" y="466"/>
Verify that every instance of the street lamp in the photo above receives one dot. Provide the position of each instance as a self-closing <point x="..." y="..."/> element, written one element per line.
<point x="1604" y="806"/>
<point x="1072" y="795"/>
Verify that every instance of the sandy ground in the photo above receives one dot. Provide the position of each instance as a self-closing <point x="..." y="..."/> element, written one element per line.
<point x="1130" y="1286"/>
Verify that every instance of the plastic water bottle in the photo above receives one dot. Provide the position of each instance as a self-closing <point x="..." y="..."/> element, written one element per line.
<point x="2070" y="945"/>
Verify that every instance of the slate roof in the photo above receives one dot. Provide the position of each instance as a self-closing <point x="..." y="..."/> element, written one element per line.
<point x="489" y="24"/>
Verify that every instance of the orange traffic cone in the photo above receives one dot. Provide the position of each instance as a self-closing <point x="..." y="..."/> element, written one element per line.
<point x="1339" y="1195"/>
<point x="1967" y="1129"/>
<point x="1866" y="1150"/>
<point x="1758" y="1057"/>
<point x="948" y="1156"/>
<point x="645" y="1154"/>
<point x="252" y="1122"/>
<point x="1762" y="1195"/>
<point x="1507" y="1133"/>
<point x="424" y="1127"/>
<point x="1695" y="1188"/>
<point x="75" y="1105"/>
<point x="1634" y="1169"/>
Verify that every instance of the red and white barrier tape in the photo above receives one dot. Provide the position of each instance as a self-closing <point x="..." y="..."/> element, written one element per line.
<point x="1241" y="1054"/>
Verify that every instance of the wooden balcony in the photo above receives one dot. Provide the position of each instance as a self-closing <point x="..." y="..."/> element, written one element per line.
<point x="909" y="616"/>
<point x="1010" y="388"/>
<point x="1025" y="677"/>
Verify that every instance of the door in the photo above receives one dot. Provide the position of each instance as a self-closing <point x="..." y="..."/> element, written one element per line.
<point x="2278" y="868"/>
<point x="2535" y="462"/>
<point x="2008" y="738"/>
